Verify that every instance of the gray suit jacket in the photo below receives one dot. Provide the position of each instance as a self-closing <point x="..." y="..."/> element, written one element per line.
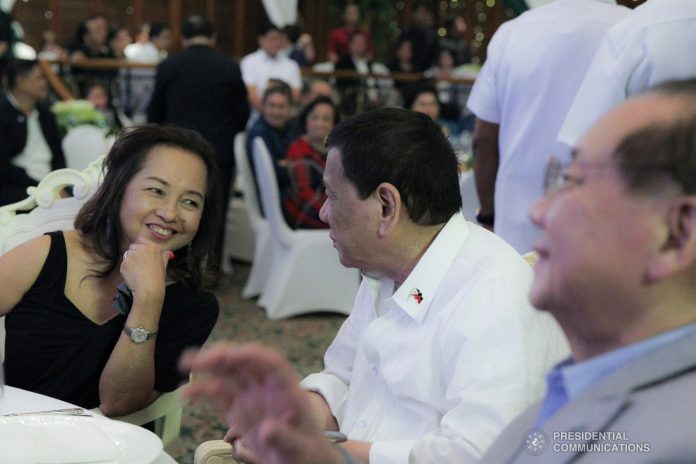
<point x="649" y="404"/>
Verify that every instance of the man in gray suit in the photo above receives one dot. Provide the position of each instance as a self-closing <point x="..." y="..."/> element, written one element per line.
<point x="617" y="268"/>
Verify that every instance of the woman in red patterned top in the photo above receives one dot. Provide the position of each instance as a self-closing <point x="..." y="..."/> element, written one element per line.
<point x="305" y="161"/>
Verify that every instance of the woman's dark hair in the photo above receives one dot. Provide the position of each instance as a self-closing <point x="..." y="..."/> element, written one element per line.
<point x="99" y="222"/>
<point x="320" y="100"/>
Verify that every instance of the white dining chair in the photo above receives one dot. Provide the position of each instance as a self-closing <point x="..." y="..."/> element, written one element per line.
<point x="165" y="413"/>
<point x="305" y="274"/>
<point x="261" y="262"/>
<point x="47" y="211"/>
<point x="44" y="210"/>
<point x="83" y="144"/>
<point x="240" y="234"/>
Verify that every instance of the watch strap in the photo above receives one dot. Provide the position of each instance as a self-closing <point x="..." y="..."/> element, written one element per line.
<point x="136" y="334"/>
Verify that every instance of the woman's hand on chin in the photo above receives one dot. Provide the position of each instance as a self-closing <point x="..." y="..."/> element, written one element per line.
<point x="144" y="269"/>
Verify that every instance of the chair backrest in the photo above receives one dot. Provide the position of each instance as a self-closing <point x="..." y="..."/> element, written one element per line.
<point x="84" y="144"/>
<point x="251" y="198"/>
<point x="47" y="211"/>
<point x="270" y="193"/>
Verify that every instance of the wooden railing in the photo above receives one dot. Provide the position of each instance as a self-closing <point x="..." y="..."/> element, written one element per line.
<point x="102" y="64"/>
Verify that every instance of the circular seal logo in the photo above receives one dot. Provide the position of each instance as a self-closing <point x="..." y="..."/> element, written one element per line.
<point x="535" y="442"/>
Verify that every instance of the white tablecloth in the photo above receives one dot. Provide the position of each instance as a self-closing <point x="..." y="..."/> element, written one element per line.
<point x="15" y="400"/>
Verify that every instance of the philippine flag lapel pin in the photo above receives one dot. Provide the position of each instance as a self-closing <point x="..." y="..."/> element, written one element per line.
<point x="416" y="295"/>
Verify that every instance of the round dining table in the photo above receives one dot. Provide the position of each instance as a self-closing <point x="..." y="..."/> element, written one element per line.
<point x="15" y="400"/>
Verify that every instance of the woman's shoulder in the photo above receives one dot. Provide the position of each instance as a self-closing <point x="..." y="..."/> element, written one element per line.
<point x="31" y="252"/>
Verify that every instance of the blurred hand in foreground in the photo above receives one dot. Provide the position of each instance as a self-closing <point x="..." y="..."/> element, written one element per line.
<point x="258" y="392"/>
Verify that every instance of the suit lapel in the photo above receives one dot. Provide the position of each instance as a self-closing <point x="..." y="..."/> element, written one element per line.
<point x="600" y="406"/>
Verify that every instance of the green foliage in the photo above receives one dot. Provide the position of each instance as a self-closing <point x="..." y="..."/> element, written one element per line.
<point x="73" y="113"/>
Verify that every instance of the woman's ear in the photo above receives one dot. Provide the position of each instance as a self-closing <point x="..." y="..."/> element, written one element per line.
<point x="390" y="202"/>
<point x="679" y="249"/>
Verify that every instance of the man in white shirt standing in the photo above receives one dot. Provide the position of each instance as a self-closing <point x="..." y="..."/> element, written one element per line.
<point x="268" y="63"/>
<point x="534" y="66"/>
<point x="442" y="348"/>
<point x="655" y="43"/>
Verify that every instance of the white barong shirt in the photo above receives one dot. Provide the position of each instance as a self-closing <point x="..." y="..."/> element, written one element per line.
<point x="433" y="371"/>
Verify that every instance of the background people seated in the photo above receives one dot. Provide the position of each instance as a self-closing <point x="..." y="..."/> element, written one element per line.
<point x="275" y="128"/>
<point x="402" y="62"/>
<point x="313" y="88"/>
<point x="99" y="97"/>
<point x="394" y="210"/>
<point x="90" y="41"/>
<point x="151" y="226"/>
<point x="118" y="39"/>
<point x="30" y="146"/>
<point x="339" y="37"/>
<point x="358" y="95"/>
<point x="424" y="98"/>
<point x="305" y="162"/>
<point x="422" y="36"/>
<point x="455" y="39"/>
<point x="449" y="93"/>
<point x="300" y="45"/>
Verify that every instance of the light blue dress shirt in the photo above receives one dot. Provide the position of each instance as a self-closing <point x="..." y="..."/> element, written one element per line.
<point x="569" y="379"/>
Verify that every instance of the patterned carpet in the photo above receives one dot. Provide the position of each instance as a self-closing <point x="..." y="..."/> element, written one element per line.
<point x="304" y="339"/>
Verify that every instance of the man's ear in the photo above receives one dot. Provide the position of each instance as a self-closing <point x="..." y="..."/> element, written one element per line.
<point x="679" y="250"/>
<point x="390" y="202"/>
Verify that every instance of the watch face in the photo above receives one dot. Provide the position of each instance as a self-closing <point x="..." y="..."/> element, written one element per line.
<point x="139" y="335"/>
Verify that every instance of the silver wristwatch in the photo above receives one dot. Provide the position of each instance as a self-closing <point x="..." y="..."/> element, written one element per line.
<point x="139" y="334"/>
